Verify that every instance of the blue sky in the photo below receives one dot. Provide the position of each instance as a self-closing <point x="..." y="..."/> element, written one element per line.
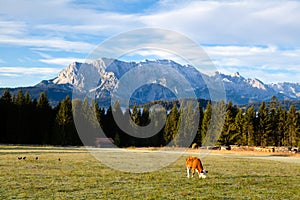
<point x="257" y="38"/>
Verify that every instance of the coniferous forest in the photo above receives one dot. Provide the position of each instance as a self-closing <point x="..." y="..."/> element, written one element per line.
<point x="24" y="120"/>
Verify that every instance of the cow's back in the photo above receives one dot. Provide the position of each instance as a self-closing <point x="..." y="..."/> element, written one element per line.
<point x="197" y="164"/>
<point x="189" y="161"/>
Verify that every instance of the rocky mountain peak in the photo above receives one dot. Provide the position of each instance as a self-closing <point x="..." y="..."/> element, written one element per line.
<point x="103" y="75"/>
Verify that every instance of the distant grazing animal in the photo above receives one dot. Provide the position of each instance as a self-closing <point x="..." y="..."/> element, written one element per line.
<point x="24" y="158"/>
<point x="19" y="158"/>
<point x="194" y="163"/>
<point x="59" y="159"/>
<point x="37" y="158"/>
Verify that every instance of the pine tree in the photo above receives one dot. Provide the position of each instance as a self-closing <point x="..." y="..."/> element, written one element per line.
<point x="29" y="113"/>
<point x="43" y="102"/>
<point x="65" y="122"/>
<point x="44" y="120"/>
<point x="262" y="134"/>
<point x="6" y="98"/>
<point x="108" y="123"/>
<point x="206" y="122"/>
<point x="20" y="98"/>
<point x="100" y="116"/>
<point x="158" y="118"/>
<point x="216" y="123"/>
<point x="274" y="102"/>
<point x="293" y="126"/>
<point x="282" y="139"/>
<point x="64" y="119"/>
<point x="117" y="140"/>
<point x="240" y="136"/>
<point x="91" y="124"/>
<point x="145" y="118"/>
<point x="126" y="138"/>
<point x="198" y="138"/>
<point x="187" y="124"/>
<point x="171" y="128"/>
<point x="6" y="116"/>
<point x="119" y="124"/>
<point x="27" y="98"/>
<point x="86" y="121"/>
<point x="78" y="119"/>
<point x="134" y="125"/>
<point x="135" y="116"/>
<point x="272" y="128"/>
<point x="249" y="126"/>
<point x="146" y="127"/>
<point x="228" y="135"/>
<point x="18" y="128"/>
<point x="97" y="112"/>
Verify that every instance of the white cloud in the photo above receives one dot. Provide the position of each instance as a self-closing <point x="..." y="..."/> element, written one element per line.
<point x="64" y="62"/>
<point x="64" y="16"/>
<point x="283" y="64"/>
<point x="208" y="22"/>
<point x="254" y="37"/>
<point x="233" y="22"/>
<point x="61" y="61"/>
<point x="211" y="22"/>
<point x="12" y="27"/>
<point x="24" y="71"/>
<point x="238" y="50"/>
<point x="50" y="43"/>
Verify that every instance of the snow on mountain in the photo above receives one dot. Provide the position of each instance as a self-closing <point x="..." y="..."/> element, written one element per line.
<point x="69" y="75"/>
<point x="241" y="90"/>
<point x="257" y="84"/>
<point x="289" y="89"/>
<point x="236" y="74"/>
<point x="102" y="77"/>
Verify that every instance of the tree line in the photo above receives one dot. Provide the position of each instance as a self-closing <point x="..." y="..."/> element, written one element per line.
<point x="24" y="120"/>
<point x="270" y="125"/>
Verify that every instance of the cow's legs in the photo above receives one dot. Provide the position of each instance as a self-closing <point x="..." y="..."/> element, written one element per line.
<point x="188" y="172"/>
<point x="198" y="172"/>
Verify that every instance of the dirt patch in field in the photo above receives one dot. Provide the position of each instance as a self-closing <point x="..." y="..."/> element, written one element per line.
<point x="248" y="153"/>
<point x="205" y="151"/>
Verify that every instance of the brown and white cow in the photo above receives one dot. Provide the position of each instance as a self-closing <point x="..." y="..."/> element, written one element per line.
<point x="194" y="163"/>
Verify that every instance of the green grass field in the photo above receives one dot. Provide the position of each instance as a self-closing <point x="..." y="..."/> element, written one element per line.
<point x="80" y="176"/>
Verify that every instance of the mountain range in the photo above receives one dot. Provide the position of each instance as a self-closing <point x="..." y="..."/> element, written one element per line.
<point x="101" y="78"/>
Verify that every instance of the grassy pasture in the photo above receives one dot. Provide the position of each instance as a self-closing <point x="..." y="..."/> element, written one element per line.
<point x="80" y="176"/>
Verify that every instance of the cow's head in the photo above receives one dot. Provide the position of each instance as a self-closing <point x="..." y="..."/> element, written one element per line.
<point x="203" y="173"/>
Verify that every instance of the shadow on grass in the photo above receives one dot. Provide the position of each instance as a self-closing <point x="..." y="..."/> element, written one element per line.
<point x="280" y="155"/>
